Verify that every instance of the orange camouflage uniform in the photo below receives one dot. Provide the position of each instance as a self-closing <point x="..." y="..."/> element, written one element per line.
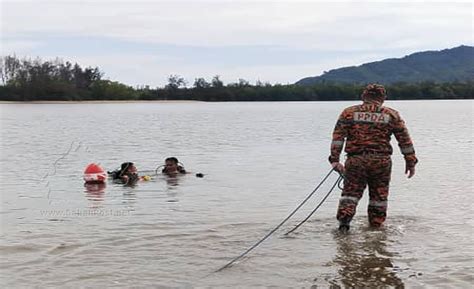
<point x="366" y="130"/>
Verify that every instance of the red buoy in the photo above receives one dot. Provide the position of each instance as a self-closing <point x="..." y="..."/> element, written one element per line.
<point x="94" y="174"/>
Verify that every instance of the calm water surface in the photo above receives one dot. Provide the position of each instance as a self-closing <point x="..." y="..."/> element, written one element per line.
<point x="260" y="161"/>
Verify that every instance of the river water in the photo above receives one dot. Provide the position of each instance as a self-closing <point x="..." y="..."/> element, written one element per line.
<point x="260" y="161"/>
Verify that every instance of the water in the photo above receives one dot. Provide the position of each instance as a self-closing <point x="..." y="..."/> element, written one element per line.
<point x="260" y="161"/>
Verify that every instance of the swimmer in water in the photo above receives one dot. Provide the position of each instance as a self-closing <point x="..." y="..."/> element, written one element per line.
<point x="127" y="174"/>
<point x="173" y="168"/>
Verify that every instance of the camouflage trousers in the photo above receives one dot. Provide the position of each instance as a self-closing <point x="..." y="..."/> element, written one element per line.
<point x="363" y="170"/>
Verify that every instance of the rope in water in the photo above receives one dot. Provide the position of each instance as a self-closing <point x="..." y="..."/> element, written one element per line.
<point x="317" y="207"/>
<point x="279" y="225"/>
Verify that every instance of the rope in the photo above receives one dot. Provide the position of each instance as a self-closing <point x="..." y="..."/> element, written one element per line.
<point x="148" y="172"/>
<point x="317" y="207"/>
<point x="277" y="227"/>
<point x="342" y="178"/>
<point x="158" y="169"/>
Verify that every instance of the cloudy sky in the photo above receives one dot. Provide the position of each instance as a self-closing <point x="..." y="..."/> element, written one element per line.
<point x="143" y="42"/>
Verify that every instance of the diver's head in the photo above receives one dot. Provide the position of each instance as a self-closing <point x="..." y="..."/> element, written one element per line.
<point x="128" y="167"/>
<point x="171" y="164"/>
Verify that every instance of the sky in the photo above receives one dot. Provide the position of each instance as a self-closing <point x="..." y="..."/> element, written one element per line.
<point x="144" y="42"/>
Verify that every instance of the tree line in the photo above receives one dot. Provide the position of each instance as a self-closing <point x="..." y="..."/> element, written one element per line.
<point x="56" y="80"/>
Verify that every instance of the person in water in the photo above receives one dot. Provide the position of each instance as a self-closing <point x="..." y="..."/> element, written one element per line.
<point x="366" y="130"/>
<point x="173" y="168"/>
<point x="127" y="174"/>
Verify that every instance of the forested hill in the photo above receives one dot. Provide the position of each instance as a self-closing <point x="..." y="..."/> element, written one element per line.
<point x="448" y="65"/>
<point x="56" y="80"/>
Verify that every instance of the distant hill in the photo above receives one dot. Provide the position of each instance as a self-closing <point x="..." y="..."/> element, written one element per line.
<point x="448" y="65"/>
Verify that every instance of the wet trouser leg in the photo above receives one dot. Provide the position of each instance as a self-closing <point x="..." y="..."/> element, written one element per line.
<point x="355" y="182"/>
<point x="378" y="177"/>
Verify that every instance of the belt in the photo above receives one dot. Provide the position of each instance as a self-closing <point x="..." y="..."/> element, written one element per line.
<point x="368" y="153"/>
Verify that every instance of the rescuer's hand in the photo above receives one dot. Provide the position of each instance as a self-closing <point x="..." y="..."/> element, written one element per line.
<point x="410" y="171"/>
<point x="338" y="167"/>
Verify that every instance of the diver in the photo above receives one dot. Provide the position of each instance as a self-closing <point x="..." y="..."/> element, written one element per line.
<point x="127" y="174"/>
<point x="173" y="168"/>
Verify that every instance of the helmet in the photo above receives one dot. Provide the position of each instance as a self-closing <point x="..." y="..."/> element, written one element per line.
<point x="374" y="91"/>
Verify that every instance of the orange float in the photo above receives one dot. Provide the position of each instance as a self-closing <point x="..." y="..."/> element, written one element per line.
<point x="94" y="174"/>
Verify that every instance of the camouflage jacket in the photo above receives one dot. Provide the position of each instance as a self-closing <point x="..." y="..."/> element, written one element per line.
<point x="367" y="128"/>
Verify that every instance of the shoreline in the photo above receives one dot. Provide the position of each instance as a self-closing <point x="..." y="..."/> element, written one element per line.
<point x="200" y="101"/>
<point x="92" y="101"/>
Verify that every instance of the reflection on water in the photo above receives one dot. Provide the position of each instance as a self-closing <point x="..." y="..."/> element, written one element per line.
<point x="129" y="197"/>
<point x="365" y="261"/>
<point x="95" y="193"/>
<point x="172" y="181"/>
<point x="95" y="190"/>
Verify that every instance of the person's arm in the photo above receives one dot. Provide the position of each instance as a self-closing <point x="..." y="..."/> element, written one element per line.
<point x="406" y="145"/>
<point x="181" y="170"/>
<point x="197" y="175"/>
<point x="338" y="137"/>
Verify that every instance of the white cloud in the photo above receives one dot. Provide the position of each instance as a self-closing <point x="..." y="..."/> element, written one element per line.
<point x="18" y="46"/>
<point x="301" y="24"/>
<point x="365" y="31"/>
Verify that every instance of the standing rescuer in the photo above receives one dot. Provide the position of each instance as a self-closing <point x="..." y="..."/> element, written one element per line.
<point x="366" y="130"/>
